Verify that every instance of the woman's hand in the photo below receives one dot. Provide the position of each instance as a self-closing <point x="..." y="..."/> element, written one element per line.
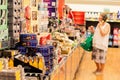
<point x="91" y="29"/>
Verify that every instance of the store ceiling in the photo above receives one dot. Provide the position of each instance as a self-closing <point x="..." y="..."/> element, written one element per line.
<point x="99" y="2"/>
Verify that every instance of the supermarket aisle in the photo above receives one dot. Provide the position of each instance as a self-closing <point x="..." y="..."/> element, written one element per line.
<point x="112" y="67"/>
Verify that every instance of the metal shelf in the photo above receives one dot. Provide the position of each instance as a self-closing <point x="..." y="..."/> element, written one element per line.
<point x="94" y="20"/>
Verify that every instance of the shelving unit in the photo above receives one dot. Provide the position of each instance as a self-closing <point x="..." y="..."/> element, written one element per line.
<point x="68" y="67"/>
<point x="4" y="39"/>
<point x="14" y="18"/>
<point x="114" y="24"/>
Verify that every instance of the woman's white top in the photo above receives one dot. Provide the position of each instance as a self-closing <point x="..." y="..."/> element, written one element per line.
<point x="100" y="41"/>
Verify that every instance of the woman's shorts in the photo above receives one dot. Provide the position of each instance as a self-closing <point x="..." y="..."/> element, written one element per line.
<point x="98" y="55"/>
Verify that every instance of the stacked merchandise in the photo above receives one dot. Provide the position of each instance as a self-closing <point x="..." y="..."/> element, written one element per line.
<point x="50" y="51"/>
<point x="14" y="11"/>
<point x="118" y="15"/>
<point x="25" y="17"/>
<point x="92" y="15"/>
<point x="52" y="7"/>
<point x="28" y="39"/>
<point x="53" y="23"/>
<point x="4" y="43"/>
<point x="38" y="57"/>
<point x="34" y="16"/>
<point x="3" y="64"/>
<point x="8" y="55"/>
<point x="115" y="37"/>
<point x="47" y="53"/>
<point x="43" y="17"/>
<point x="112" y="16"/>
<point x="16" y="73"/>
<point x="52" y="13"/>
<point x="119" y="37"/>
<point x="29" y="16"/>
<point x="110" y="40"/>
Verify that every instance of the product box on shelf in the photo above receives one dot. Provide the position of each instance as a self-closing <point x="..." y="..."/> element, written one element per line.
<point x="115" y="31"/>
<point x="8" y="55"/>
<point x="24" y="37"/>
<point x="10" y="52"/>
<point x="42" y="6"/>
<point x="52" y="12"/>
<point x="1" y="64"/>
<point x="4" y="41"/>
<point x="92" y="15"/>
<point x="118" y="15"/>
<point x="115" y="42"/>
<point x="30" y="43"/>
<point x="34" y="3"/>
<point x="4" y="34"/>
<point x="14" y="26"/>
<point x="46" y="51"/>
<point x="14" y="10"/>
<point x="115" y="37"/>
<point x="30" y="16"/>
<point x="3" y="14"/>
<point x="31" y="78"/>
<point x="22" y="50"/>
<point x="15" y="34"/>
<point x="11" y="74"/>
<point x="4" y="44"/>
<point x="110" y="43"/>
<point x="3" y="4"/>
<point x="51" y="2"/>
<point x="28" y="39"/>
<point x="52" y="7"/>
<point x="119" y="37"/>
<point x="119" y="43"/>
<point x="43" y="28"/>
<point x="34" y="16"/>
<point x="43" y="17"/>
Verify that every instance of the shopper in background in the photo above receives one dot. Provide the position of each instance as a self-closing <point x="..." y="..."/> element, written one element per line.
<point x="68" y="14"/>
<point x="100" y="42"/>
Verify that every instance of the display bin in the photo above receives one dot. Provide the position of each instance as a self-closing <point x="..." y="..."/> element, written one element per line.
<point x="68" y="67"/>
<point x="58" y="72"/>
<point x="65" y="70"/>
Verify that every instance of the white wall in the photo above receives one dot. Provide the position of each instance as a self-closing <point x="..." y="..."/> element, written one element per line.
<point x="94" y="8"/>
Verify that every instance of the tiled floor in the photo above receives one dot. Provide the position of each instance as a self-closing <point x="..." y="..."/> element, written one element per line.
<point x="111" y="71"/>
